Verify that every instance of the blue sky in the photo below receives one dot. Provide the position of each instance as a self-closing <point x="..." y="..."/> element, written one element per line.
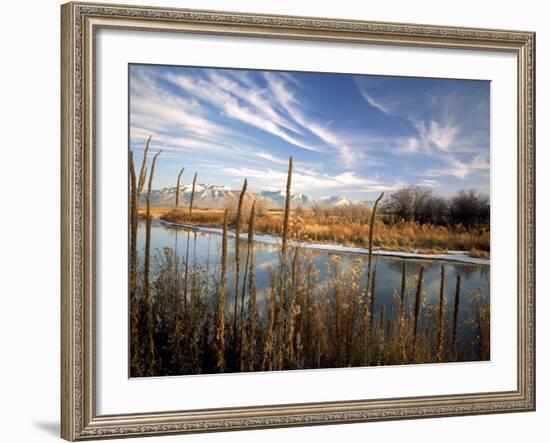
<point x="350" y="135"/>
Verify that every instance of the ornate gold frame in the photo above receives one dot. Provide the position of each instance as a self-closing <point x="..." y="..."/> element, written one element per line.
<point x="80" y="21"/>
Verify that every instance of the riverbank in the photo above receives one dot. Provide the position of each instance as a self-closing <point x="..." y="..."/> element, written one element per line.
<point x="347" y="227"/>
<point x="452" y="256"/>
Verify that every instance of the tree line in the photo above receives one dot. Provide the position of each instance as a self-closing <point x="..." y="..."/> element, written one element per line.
<point x="469" y="208"/>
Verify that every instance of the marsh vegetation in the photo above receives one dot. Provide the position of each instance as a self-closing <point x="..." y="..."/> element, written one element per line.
<point x="241" y="306"/>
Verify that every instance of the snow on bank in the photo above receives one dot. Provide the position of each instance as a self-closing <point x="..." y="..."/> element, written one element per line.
<point x="453" y="256"/>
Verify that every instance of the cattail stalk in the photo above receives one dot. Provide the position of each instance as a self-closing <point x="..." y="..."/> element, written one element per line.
<point x="292" y="308"/>
<point x="287" y="209"/>
<point x="251" y="345"/>
<point x="241" y="316"/>
<point x="237" y="258"/>
<point x="372" y="309"/>
<point x="417" y="308"/>
<point x="371" y="237"/>
<point x="187" y="245"/>
<point x="194" y="279"/>
<point x="338" y="301"/>
<point x="143" y="170"/>
<point x="441" y="329"/>
<point x="178" y="188"/>
<point x="220" y="332"/>
<point x="252" y="314"/>
<point x="402" y="293"/>
<point x="368" y="315"/>
<point x="267" y="362"/>
<point x="146" y="265"/>
<point x="186" y="272"/>
<point x="192" y="194"/>
<point x="381" y="334"/>
<point x="133" y="268"/>
<point x="455" y="317"/>
<point x="176" y="258"/>
<point x="281" y="320"/>
<point x="402" y="311"/>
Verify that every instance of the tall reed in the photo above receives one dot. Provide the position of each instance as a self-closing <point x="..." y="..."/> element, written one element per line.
<point x="289" y="347"/>
<point x="441" y="317"/>
<point x="402" y="321"/>
<point x="178" y="188"/>
<point x="187" y="245"/>
<point x="371" y="236"/>
<point x="252" y="300"/>
<point x="267" y="361"/>
<point x="150" y="359"/>
<point x="402" y="292"/>
<point x="176" y="258"/>
<point x="281" y="317"/>
<point x="220" y="331"/>
<point x="417" y="309"/>
<point x="143" y="170"/>
<point x="372" y="311"/>
<point x="237" y="256"/>
<point x="381" y="335"/>
<point x="455" y="318"/>
<point x="251" y="340"/>
<point x="243" y="293"/>
<point x="368" y="315"/>
<point x="287" y="209"/>
<point x="133" y="267"/>
<point x="192" y="194"/>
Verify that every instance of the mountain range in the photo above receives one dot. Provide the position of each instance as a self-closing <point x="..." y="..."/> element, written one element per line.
<point x="208" y="196"/>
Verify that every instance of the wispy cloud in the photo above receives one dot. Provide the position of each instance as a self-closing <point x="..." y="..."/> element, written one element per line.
<point x="439" y="135"/>
<point x="253" y="96"/>
<point x="286" y="98"/>
<point x="304" y="180"/>
<point x="407" y="145"/>
<point x="378" y="104"/>
<point x="459" y="169"/>
<point x="175" y="123"/>
<point x="429" y="183"/>
<point x="228" y="103"/>
<point x="270" y="157"/>
<point x="442" y="119"/>
<point x="161" y="111"/>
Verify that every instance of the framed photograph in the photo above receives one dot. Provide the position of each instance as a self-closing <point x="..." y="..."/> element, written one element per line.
<point x="282" y="221"/>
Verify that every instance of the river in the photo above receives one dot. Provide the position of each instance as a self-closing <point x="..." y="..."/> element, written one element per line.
<point x="205" y="250"/>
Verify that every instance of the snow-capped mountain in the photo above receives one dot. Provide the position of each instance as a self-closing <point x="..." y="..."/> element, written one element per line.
<point x="206" y="196"/>
<point x="215" y="196"/>
<point x="337" y="200"/>
<point x="276" y="199"/>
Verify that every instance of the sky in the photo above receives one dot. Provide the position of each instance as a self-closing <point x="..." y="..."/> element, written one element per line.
<point x="349" y="135"/>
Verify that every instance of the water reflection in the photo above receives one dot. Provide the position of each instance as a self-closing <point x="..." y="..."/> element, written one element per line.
<point x="203" y="249"/>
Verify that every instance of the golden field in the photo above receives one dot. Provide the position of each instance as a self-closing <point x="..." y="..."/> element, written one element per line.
<point x="348" y="230"/>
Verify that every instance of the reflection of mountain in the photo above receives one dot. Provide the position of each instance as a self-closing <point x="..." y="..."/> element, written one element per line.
<point x="214" y="196"/>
